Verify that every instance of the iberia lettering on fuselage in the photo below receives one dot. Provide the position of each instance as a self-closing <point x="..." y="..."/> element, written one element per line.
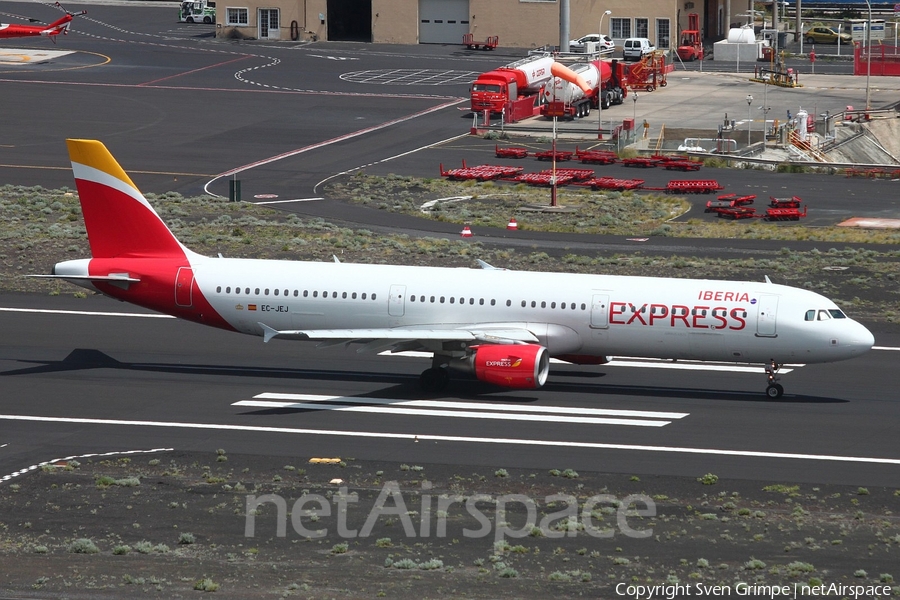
<point x="680" y="315"/>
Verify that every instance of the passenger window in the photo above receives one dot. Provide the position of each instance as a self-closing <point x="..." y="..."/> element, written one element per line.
<point x="810" y="315"/>
<point x="432" y="299"/>
<point x="315" y="294"/>
<point x="354" y="296"/>
<point x="334" y="294"/>
<point x="344" y="295"/>
<point x="493" y="302"/>
<point x="583" y="306"/>
<point x="543" y="305"/>
<point x="276" y="292"/>
<point x="553" y="305"/>
<point x="533" y="304"/>
<point x="256" y="291"/>
<point x="373" y="296"/>
<point x="442" y="299"/>
<point x="247" y="291"/>
<point x="305" y="293"/>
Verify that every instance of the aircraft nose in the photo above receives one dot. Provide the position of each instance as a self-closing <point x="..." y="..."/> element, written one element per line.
<point x="859" y="340"/>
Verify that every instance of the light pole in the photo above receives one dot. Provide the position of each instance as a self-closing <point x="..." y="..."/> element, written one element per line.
<point x="749" y="118"/>
<point x="868" y="52"/>
<point x="600" y="26"/>
<point x="600" y="100"/>
<point x="634" y="98"/>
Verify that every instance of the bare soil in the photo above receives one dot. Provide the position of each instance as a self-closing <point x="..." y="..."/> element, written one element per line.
<point x="167" y="524"/>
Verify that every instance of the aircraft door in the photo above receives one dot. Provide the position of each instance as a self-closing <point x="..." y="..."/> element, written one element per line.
<point x="397" y="300"/>
<point x="600" y="311"/>
<point x="184" y="282"/>
<point x="766" y="312"/>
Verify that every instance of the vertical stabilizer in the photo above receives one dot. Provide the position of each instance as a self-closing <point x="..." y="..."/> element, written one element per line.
<point x="119" y="220"/>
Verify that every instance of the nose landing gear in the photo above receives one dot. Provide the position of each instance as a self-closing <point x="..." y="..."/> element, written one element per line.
<point x="774" y="390"/>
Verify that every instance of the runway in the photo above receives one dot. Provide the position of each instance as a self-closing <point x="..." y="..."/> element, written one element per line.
<point x="91" y="375"/>
<point x="185" y="113"/>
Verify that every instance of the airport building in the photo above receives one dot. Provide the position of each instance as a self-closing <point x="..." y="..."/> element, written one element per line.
<point x="517" y="23"/>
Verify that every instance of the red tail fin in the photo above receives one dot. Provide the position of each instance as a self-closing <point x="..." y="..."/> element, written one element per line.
<point x="119" y="220"/>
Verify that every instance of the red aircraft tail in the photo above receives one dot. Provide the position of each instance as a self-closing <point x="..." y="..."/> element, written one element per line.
<point x="120" y="222"/>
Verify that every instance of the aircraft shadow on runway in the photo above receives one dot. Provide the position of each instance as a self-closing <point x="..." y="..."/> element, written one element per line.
<point x="405" y="387"/>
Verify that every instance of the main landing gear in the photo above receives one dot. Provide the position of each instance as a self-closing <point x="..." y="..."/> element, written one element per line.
<point x="434" y="379"/>
<point x="774" y="390"/>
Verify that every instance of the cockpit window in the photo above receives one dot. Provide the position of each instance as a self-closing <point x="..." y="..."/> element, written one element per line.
<point x="837" y="314"/>
<point x="823" y="315"/>
<point x="810" y="315"/>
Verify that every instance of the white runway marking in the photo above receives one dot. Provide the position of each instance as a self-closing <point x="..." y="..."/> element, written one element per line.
<point x="434" y="408"/>
<point x="465" y="410"/>
<point x="68" y="458"/>
<point x="567" y="444"/>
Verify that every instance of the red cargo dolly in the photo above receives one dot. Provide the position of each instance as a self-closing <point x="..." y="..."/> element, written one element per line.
<point x="614" y="184"/>
<point x="560" y="155"/>
<point x="489" y="44"/>
<point x="641" y="162"/>
<point x="575" y="174"/>
<point x="784" y="214"/>
<point x="510" y="152"/>
<point x="682" y="165"/>
<point x="597" y="157"/>
<point x="737" y="212"/>
<point x="691" y="186"/>
<point x="544" y="178"/>
<point x="792" y="202"/>
<point x="729" y="201"/>
<point x="480" y="173"/>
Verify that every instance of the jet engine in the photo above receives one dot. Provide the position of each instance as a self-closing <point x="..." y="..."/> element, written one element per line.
<point x="524" y="366"/>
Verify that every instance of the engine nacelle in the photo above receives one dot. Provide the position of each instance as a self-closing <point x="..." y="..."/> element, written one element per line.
<point x="524" y="366"/>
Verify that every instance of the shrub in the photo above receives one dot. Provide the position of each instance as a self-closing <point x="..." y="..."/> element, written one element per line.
<point x="206" y="585"/>
<point x="83" y="546"/>
<point x="186" y="538"/>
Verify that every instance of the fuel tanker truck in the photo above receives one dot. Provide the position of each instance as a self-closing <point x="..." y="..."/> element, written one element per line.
<point x="520" y="80"/>
<point x="575" y="90"/>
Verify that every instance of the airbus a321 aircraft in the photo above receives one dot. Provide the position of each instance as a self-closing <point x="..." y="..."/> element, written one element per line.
<point x="61" y="25"/>
<point x="502" y="326"/>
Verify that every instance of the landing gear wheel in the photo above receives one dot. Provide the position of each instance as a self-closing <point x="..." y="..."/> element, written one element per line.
<point x="434" y="379"/>
<point x="774" y="389"/>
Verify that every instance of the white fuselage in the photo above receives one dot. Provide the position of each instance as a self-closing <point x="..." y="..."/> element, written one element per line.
<point x="571" y="314"/>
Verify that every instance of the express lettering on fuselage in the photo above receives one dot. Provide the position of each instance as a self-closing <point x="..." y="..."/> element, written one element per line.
<point x="679" y="315"/>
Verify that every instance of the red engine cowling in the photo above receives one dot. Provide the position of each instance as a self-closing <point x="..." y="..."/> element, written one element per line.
<point x="523" y="366"/>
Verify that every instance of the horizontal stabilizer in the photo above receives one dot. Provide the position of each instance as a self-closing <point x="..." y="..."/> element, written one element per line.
<point x="107" y="278"/>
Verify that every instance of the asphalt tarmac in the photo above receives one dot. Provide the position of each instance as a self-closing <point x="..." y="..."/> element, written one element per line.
<point x="184" y="112"/>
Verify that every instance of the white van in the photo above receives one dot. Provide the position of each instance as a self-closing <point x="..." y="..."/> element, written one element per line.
<point x="635" y="48"/>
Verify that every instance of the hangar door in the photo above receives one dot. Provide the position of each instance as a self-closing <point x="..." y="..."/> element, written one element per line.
<point x="349" y="20"/>
<point x="443" y="21"/>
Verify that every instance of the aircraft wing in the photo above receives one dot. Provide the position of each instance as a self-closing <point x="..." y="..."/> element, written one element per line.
<point x="407" y="336"/>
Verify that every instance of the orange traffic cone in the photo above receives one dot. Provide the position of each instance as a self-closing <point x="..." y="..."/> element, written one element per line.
<point x="466" y="232"/>
<point x="512" y="226"/>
